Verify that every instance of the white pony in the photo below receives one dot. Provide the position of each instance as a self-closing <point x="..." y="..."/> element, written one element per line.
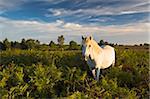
<point x="97" y="57"/>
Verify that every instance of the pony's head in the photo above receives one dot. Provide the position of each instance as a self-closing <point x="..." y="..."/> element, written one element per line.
<point x="87" y="47"/>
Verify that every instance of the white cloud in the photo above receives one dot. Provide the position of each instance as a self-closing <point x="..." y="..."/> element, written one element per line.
<point x="52" y="1"/>
<point x="63" y="12"/>
<point x="133" y="6"/>
<point x="134" y="28"/>
<point x="10" y="4"/>
<point x="55" y="12"/>
<point x="59" y="22"/>
<point x="105" y="19"/>
<point x="18" y="29"/>
<point x="60" y="11"/>
<point x="72" y="26"/>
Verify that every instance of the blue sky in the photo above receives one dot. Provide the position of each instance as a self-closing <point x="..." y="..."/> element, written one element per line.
<point x="116" y="21"/>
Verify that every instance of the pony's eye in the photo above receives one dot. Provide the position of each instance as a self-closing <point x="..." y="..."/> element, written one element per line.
<point x="89" y="45"/>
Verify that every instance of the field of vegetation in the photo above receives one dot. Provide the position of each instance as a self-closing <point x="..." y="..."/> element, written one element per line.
<point x="29" y="69"/>
<point x="65" y="74"/>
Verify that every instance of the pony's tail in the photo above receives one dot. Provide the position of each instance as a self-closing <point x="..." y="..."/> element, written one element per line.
<point x="113" y="63"/>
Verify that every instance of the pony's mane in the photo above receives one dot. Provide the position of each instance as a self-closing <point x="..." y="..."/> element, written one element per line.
<point x="97" y="48"/>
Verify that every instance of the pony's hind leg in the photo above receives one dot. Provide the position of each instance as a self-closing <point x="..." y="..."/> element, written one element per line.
<point x="93" y="72"/>
<point x="98" y="73"/>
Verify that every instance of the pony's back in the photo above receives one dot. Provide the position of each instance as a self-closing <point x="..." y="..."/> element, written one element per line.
<point x="109" y="56"/>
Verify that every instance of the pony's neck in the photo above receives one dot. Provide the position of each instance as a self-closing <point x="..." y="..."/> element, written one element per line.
<point x="96" y="48"/>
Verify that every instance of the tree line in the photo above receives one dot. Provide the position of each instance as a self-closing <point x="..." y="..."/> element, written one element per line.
<point x="35" y="44"/>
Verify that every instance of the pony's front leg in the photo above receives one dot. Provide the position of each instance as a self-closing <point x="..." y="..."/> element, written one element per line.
<point x="98" y="73"/>
<point x="93" y="72"/>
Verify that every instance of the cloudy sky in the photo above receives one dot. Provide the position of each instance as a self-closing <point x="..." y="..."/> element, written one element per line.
<point x="116" y="21"/>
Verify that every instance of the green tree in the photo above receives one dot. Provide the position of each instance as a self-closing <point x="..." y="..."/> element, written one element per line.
<point x="52" y="44"/>
<point x="106" y="43"/>
<point x="37" y="42"/>
<point x="7" y="44"/>
<point x="30" y="43"/>
<point x="146" y="44"/>
<point x="15" y="45"/>
<point x="101" y="42"/>
<point x="73" y="45"/>
<point x="23" y="44"/>
<point x="2" y="46"/>
<point x="12" y="44"/>
<point x="60" y="40"/>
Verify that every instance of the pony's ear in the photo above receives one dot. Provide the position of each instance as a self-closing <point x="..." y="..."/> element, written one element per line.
<point x="91" y="37"/>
